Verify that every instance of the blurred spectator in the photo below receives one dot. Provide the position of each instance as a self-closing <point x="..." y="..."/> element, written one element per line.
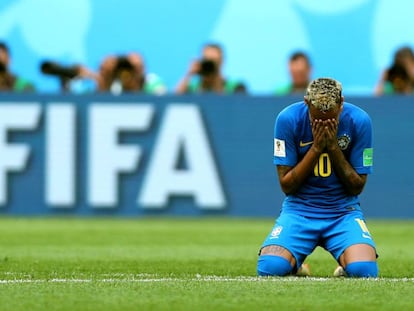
<point x="399" y="82"/>
<point x="9" y="82"/>
<point x="127" y="74"/>
<point x="116" y="74"/>
<point x="405" y="57"/>
<point x="205" y="75"/>
<point x="399" y="77"/>
<point x="300" y="69"/>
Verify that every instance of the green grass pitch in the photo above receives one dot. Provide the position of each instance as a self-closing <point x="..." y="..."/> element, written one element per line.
<point x="184" y="264"/>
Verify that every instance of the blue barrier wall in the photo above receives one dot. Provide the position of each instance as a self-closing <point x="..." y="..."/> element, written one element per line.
<point x="192" y="155"/>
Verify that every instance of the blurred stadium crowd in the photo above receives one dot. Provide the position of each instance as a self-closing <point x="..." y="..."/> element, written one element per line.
<point x="119" y="74"/>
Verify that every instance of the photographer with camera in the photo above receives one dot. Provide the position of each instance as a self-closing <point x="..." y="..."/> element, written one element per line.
<point x="8" y="81"/>
<point x="126" y="74"/>
<point x="130" y="76"/>
<point x="73" y="79"/>
<point x="204" y="75"/>
<point x="398" y="78"/>
<point x="116" y="75"/>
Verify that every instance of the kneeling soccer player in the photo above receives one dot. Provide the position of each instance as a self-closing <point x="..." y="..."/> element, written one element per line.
<point x="323" y="153"/>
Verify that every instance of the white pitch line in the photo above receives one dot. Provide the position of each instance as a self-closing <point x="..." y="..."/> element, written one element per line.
<point x="198" y="278"/>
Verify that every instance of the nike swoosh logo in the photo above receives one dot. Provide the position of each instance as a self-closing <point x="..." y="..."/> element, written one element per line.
<point x="302" y="144"/>
<point x="366" y="236"/>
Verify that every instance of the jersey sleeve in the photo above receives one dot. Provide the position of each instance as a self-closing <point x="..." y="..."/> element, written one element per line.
<point x="284" y="152"/>
<point x="361" y="157"/>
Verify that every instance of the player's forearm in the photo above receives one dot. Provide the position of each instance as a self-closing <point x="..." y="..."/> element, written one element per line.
<point x="291" y="179"/>
<point x="352" y="181"/>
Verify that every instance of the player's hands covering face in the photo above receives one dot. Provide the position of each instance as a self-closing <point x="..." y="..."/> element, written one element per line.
<point x="331" y="128"/>
<point x="324" y="134"/>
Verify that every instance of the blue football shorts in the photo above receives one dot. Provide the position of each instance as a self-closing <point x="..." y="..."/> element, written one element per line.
<point x="301" y="235"/>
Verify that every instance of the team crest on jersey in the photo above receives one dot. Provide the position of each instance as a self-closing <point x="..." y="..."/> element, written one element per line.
<point x="276" y="232"/>
<point x="343" y="141"/>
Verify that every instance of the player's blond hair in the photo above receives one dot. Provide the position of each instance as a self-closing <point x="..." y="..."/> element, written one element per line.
<point x="324" y="93"/>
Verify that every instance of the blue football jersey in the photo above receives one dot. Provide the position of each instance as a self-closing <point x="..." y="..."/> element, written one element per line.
<point x="322" y="195"/>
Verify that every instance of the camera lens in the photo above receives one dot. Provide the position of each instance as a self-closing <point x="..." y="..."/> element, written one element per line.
<point x="207" y="67"/>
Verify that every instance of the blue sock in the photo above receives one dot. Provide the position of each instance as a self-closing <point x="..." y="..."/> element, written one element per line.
<point x="270" y="265"/>
<point x="362" y="269"/>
